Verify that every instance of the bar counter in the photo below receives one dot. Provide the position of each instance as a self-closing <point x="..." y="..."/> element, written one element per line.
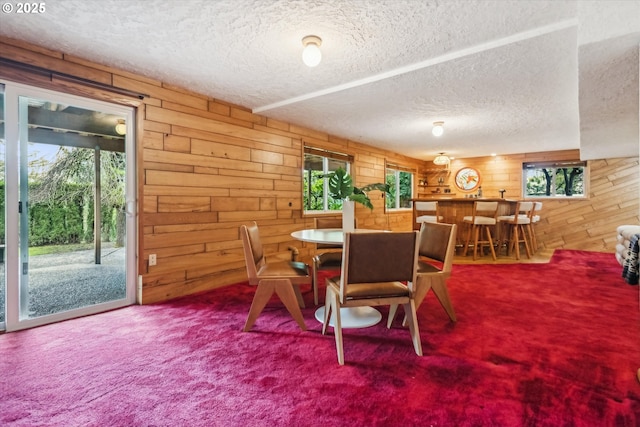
<point x="454" y="209"/>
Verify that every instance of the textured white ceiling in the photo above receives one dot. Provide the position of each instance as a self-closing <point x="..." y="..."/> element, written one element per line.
<point x="504" y="76"/>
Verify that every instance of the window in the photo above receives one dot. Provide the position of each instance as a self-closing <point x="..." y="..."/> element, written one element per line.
<point x="555" y="179"/>
<point x="317" y="163"/>
<point x="400" y="181"/>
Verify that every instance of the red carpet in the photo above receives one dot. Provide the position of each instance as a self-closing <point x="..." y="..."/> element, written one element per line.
<point x="553" y="344"/>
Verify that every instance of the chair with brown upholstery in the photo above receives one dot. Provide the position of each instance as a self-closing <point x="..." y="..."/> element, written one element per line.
<point x="327" y="257"/>
<point x="436" y="251"/>
<point x="282" y="277"/>
<point x="374" y="266"/>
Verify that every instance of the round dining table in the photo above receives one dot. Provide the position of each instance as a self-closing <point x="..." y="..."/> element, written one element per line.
<point x="350" y="317"/>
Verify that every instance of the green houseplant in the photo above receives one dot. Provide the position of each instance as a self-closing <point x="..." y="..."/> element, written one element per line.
<point x="341" y="187"/>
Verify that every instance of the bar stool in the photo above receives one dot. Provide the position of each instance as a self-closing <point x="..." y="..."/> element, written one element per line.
<point x="426" y="212"/>
<point x="483" y="217"/>
<point x="535" y="218"/>
<point x="519" y="225"/>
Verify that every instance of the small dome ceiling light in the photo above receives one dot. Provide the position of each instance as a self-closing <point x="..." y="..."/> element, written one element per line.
<point x="438" y="128"/>
<point x="441" y="160"/>
<point x="311" y="54"/>
<point x="121" y="127"/>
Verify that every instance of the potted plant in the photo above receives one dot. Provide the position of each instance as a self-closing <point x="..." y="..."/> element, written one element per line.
<point x="341" y="187"/>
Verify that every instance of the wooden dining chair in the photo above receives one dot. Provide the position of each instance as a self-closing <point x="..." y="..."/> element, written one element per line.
<point x="437" y="247"/>
<point x="327" y="256"/>
<point x="281" y="277"/>
<point x="374" y="267"/>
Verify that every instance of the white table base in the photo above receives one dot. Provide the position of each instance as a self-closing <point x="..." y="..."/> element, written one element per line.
<point x="352" y="317"/>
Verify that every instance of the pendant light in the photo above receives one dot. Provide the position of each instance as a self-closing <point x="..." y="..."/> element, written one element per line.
<point x="441" y="160"/>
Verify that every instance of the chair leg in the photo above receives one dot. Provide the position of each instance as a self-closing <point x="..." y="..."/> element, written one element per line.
<point x="422" y="288"/>
<point x="393" y="308"/>
<point x="466" y="245"/>
<point x="299" y="298"/>
<point x="493" y="250"/>
<point x="260" y="300"/>
<point x="410" y="309"/>
<point x="266" y="288"/>
<point x="518" y="234"/>
<point x="510" y="245"/>
<point x="328" y="298"/>
<point x="525" y="240"/>
<point x="287" y="295"/>
<point x="532" y="239"/>
<point x="439" y="286"/>
<point x="315" y="284"/>
<point x="476" y="232"/>
<point x="502" y="239"/>
<point x="516" y="240"/>
<point x="337" y="324"/>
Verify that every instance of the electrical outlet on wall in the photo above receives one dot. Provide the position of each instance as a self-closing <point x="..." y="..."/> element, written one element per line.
<point x="152" y="260"/>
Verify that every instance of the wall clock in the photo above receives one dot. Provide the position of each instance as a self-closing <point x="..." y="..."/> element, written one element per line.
<point x="467" y="179"/>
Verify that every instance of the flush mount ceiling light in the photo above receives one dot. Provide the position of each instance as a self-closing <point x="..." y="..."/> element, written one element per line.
<point x="441" y="160"/>
<point x="121" y="127"/>
<point x="438" y="128"/>
<point x="311" y="54"/>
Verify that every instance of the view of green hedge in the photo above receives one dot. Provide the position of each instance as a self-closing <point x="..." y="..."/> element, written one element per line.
<point x="63" y="222"/>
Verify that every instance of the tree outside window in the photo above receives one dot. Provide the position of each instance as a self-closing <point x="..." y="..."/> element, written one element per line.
<point x="556" y="179"/>
<point x="315" y="194"/>
<point x="400" y="188"/>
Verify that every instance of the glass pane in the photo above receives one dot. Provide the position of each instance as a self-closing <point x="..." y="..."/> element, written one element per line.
<point x="315" y="196"/>
<point x="391" y="197"/>
<point x="313" y="184"/>
<point x="569" y="181"/>
<point x="72" y="240"/>
<point x="406" y="189"/>
<point x="554" y="182"/>
<point x="334" y="165"/>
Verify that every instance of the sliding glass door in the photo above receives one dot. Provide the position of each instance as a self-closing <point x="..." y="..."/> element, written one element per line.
<point x="2" y="211"/>
<point x="69" y="204"/>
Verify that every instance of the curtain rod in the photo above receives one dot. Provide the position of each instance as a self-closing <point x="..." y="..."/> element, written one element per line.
<point x="51" y="74"/>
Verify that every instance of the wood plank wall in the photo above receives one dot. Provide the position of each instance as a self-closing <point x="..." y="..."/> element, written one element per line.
<point x="205" y="167"/>
<point x="585" y="224"/>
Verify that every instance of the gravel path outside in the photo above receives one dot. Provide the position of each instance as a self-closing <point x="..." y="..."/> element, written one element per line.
<point x="60" y="282"/>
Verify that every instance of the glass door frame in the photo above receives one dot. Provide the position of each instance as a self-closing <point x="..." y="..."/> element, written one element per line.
<point x="12" y="93"/>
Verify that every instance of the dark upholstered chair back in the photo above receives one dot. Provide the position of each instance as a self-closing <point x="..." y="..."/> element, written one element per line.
<point x="438" y="242"/>
<point x="380" y="257"/>
<point x="378" y="268"/>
